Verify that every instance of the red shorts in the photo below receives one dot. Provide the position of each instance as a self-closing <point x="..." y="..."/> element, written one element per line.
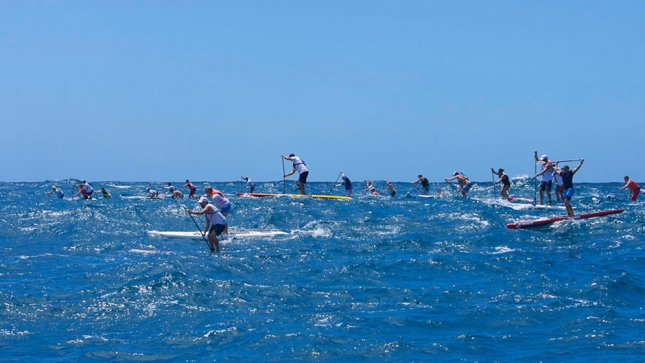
<point x="635" y="194"/>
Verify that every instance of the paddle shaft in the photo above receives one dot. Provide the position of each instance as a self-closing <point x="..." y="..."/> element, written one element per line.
<point x="332" y="186"/>
<point x="196" y="225"/>
<point x="535" y="183"/>
<point x="284" y="178"/>
<point x="493" y="176"/>
<point x="451" y="186"/>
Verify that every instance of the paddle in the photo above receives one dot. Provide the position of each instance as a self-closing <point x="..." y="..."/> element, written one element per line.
<point x="194" y="221"/>
<point x="451" y="186"/>
<point x="492" y="174"/>
<point x="284" y="178"/>
<point x="332" y="186"/>
<point x="535" y="181"/>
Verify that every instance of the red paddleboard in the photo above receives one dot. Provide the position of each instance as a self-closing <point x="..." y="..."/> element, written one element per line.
<point x="542" y="222"/>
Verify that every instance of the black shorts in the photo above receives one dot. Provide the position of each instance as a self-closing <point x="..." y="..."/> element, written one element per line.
<point x="217" y="228"/>
<point x="546" y="185"/>
<point x="303" y="177"/>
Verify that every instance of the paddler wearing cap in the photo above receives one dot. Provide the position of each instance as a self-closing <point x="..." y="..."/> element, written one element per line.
<point x="106" y="194"/>
<point x="547" y="176"/>
<point x="503" y="178"/>
<point x="464" y="183"/>
<point x="192" y="189"/>
<point x="152" y="194"/>
<point x="567" y="178"/>
<point x="425" y="184"/>
<point x="58" y="191"/>
<point x="219" y="200"/>
<point x="215" y="222"/>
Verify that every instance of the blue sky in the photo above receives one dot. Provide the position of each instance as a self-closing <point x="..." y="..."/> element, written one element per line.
<point x="212" y="90"/>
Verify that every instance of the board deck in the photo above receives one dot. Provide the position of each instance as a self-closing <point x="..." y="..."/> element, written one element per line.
<point x="543" y="222"/>
<point x="520" y="199"/>
<point x="233" y="233"/>
<point x="315" y="196"/>
<point x="140" y="197"/>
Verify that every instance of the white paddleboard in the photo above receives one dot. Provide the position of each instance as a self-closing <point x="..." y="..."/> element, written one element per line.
<point x="140" y="197"/>
<point x="233" y="233"/>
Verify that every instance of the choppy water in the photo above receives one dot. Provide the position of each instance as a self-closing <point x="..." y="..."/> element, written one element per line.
<point x="372" y="279"/>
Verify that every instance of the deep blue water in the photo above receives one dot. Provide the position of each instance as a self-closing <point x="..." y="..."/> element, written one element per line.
<point x="374" y="279"/>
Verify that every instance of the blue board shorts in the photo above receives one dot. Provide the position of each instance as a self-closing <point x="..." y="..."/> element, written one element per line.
<point x="568" y="193"/>
<point x="226" y="208"/>
<point x="466" y="187"/>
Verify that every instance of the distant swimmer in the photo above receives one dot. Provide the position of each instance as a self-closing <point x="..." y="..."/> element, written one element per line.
<point x="249" y="183"/>
<point x="301" y="168"/>
<point x="390" y="189"/>
<point x="215" y="222"/>
<point x="425" y="184"/>
<point x="191" y="187"/>
<point x="547" y="176"/>
<point x="106" y="194"/>
<point x="503" y="178"/>
<point x="370" y="188"/>
<point x="567" y="181"/>
<point x="152" y="194"/>
<point x="58" y="191"/>
<point x="347" y="183"/>
<point x="219" y="200"/>
<point x="174" y="192"/>
<point x="634" y="189"/>
<point x="81" y="191"/>
<point x="464" y="183"/>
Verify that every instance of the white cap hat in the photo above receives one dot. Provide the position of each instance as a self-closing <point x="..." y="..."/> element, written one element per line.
<point x="203" y="200"/>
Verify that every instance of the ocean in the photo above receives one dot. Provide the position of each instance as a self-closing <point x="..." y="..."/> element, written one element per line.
<point x="372" y="279"/>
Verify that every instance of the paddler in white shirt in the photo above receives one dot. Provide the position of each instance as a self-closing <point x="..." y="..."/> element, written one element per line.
<point x="215" y="222"/>
<point x="88" y="188"/>
<point x="547" y="177"/>
<point x="249" y="183"/>
<point x="58" y="191"/>
<point x="219" y="200"/>
<point x="301" y="168"/>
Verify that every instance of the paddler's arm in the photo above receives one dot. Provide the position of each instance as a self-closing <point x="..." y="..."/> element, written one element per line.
<point x="291" y="173"/>
<point x="556" y="168"/>
<point x="546" y="167"/>
<point x="578" y="167"/>
<point x="197" y="213"/>
<point x="208" y="224"/>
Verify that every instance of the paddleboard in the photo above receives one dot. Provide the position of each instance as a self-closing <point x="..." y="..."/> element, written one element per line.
<point x="543" y="222"/>
<point x="139" y="197"/>
<point x="315" y="196"/>
<point x="520" y="199"/>
<point x="233" y="233"/>
<point x="136" y="250"/>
